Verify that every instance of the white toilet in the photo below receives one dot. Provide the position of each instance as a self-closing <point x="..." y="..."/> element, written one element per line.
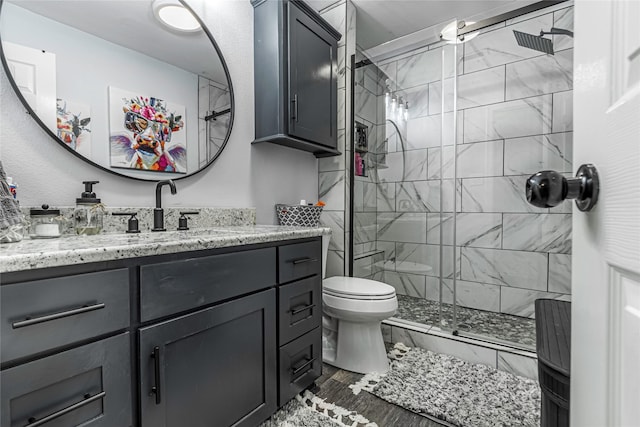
<point x="353" y="309"/>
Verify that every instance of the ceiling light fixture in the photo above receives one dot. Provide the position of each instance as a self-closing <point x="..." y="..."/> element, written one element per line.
<point x="176" y="17"/>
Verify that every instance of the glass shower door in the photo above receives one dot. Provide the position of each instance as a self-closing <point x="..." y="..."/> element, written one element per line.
<point x="442" y="162"/>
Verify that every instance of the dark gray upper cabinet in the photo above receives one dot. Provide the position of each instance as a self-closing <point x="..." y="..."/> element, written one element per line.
<point x="296" y="79"/>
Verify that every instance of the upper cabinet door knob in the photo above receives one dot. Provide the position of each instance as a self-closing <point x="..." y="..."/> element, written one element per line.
<point x="547" y="189"/>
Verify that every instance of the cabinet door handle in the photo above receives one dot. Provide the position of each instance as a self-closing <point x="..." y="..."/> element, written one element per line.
<point x="54" y="316"/>
<point x="156" y="374"/>
<point x="303" y="260"/>
<point x="295" y="107"/>
<point x="35" y="423"/>
<point x="301" y="309"/>
<point x="304" y="365"/>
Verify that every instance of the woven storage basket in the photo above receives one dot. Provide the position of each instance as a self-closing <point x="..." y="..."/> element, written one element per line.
<point x="299" y="215"/>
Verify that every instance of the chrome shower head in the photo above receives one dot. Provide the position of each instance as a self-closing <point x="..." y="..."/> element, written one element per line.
<point x="539" y="43"/>
<point x="534" y="42"/>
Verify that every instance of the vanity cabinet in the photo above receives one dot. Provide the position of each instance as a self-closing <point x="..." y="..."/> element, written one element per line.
<point x="296" y="86"/>
<point x="214" y="337"/>
<point x="216" y="366"/>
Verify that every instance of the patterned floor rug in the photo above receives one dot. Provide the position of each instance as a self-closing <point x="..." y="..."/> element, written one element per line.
<point x="461" y="393"/>
<point x="308" y="410"/>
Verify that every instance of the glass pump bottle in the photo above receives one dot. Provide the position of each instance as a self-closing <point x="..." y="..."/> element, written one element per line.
<point x="89" y="212"/>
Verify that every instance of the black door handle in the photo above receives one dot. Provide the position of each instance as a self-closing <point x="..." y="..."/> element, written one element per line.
<point x="300" y="368"/>
<point x="547" y="189"/>
<point x="33" y="422"/>
<point x="55" y="316"/>
<point x="155" y="390"/>
<point x="299" y="310"/>
<point x="303" y="260"/>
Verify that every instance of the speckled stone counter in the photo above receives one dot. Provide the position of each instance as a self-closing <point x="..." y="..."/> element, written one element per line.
<point x="69" y="250"/>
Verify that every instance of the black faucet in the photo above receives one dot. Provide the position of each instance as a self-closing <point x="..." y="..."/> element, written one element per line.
<point x="158" y="212"/>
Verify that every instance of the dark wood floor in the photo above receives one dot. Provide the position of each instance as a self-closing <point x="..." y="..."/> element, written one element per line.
<point x="333" y="386"/>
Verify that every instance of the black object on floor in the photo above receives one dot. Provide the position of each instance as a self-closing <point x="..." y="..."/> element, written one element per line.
<point x="553" y="346"/>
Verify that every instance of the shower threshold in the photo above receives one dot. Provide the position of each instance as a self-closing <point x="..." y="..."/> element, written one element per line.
<point x="499" y="328"/>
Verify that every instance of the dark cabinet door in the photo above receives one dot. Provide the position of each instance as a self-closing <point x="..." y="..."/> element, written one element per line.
<point x="312" y="80"/>
<point x="88" y="385"/>
<point x="215" y="367"/>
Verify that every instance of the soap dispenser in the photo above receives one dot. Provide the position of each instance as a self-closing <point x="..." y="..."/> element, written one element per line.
<point x="89" y="211"/>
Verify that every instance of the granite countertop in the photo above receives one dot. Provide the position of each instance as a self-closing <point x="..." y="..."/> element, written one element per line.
<point x="68" y="250"/>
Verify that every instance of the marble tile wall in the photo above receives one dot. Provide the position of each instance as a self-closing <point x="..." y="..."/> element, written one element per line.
<point x="514" y="118"/>
<point x="333" y="172"/>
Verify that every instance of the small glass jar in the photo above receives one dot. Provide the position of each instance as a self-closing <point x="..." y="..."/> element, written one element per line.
<point x="88" y="217"/>
<point x="45" y="223"/>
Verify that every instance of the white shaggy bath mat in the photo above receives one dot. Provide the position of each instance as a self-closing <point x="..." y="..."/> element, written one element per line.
<point x="308" y="410"/>
<point x="458" y="392"/>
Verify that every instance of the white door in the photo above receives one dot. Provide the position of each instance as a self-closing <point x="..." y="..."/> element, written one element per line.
<point x="605" y="352"/>
<point x="34" y="71"/>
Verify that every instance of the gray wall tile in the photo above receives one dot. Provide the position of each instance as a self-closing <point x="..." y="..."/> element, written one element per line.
<point x="501" y="194"/>
<point x="474" y="90"/>
<point x="531" y="154"/>
<point x="540" y="75"/>
<point x="402" y="227"/>
<point x="499" y="47"/>
<point x="406" y="284"/>
<point x="537" y="232"/>
<point x="560" y="273"/>
<point x="563" y="111"/>
<point x="520" y="302"/>
<point x="522" y="117"/>
<point x="507" y="268"/>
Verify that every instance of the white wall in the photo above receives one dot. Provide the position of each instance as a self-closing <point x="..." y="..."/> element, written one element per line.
<point x="243" y="176"/>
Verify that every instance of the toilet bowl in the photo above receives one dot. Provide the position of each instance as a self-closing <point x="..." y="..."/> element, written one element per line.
<point x="353" y="309"/>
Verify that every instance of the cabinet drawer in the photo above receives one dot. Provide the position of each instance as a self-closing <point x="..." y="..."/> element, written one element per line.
<point x="300" y="308"/>
<point x="88" y="386"/>
<point x="300" y="364"/>
<point x="299" y="260"/>
<point x="175" y="286"/>
<point x="40" y="315"/>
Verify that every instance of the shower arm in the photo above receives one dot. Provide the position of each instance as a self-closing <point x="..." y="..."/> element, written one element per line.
<point x="557" y="32"/>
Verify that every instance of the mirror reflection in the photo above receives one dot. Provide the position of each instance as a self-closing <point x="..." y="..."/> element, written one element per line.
<point x="119" y="87"/>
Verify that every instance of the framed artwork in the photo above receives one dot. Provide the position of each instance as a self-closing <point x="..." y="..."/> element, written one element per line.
<point x="73" y="125"/>
<point x="146" y="133"/>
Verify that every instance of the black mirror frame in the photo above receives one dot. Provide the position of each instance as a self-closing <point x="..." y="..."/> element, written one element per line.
<point x="48" y="131"/>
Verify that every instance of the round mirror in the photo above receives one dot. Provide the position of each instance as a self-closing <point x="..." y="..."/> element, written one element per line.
<point x="137" y="88"/>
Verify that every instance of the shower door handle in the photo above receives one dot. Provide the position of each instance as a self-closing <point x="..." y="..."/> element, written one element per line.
<point x="547" y="189"/>
<point x="294" y="101"/>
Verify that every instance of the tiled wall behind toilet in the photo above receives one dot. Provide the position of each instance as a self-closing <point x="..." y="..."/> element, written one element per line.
<point x="333" y="172"/>
<point x="514" y="118"/>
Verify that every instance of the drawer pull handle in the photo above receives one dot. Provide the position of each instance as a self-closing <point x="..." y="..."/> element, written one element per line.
<point x="35" y="423"/>
<point x="303" y="260"/>
<point x="304" y="365"/>
<point x="301" y="309"/>
<point x="54" y="316"/>
<point x="156" y="374"/>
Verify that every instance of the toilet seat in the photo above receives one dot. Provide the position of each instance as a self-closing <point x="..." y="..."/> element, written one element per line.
<point x="357" y="288"/>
